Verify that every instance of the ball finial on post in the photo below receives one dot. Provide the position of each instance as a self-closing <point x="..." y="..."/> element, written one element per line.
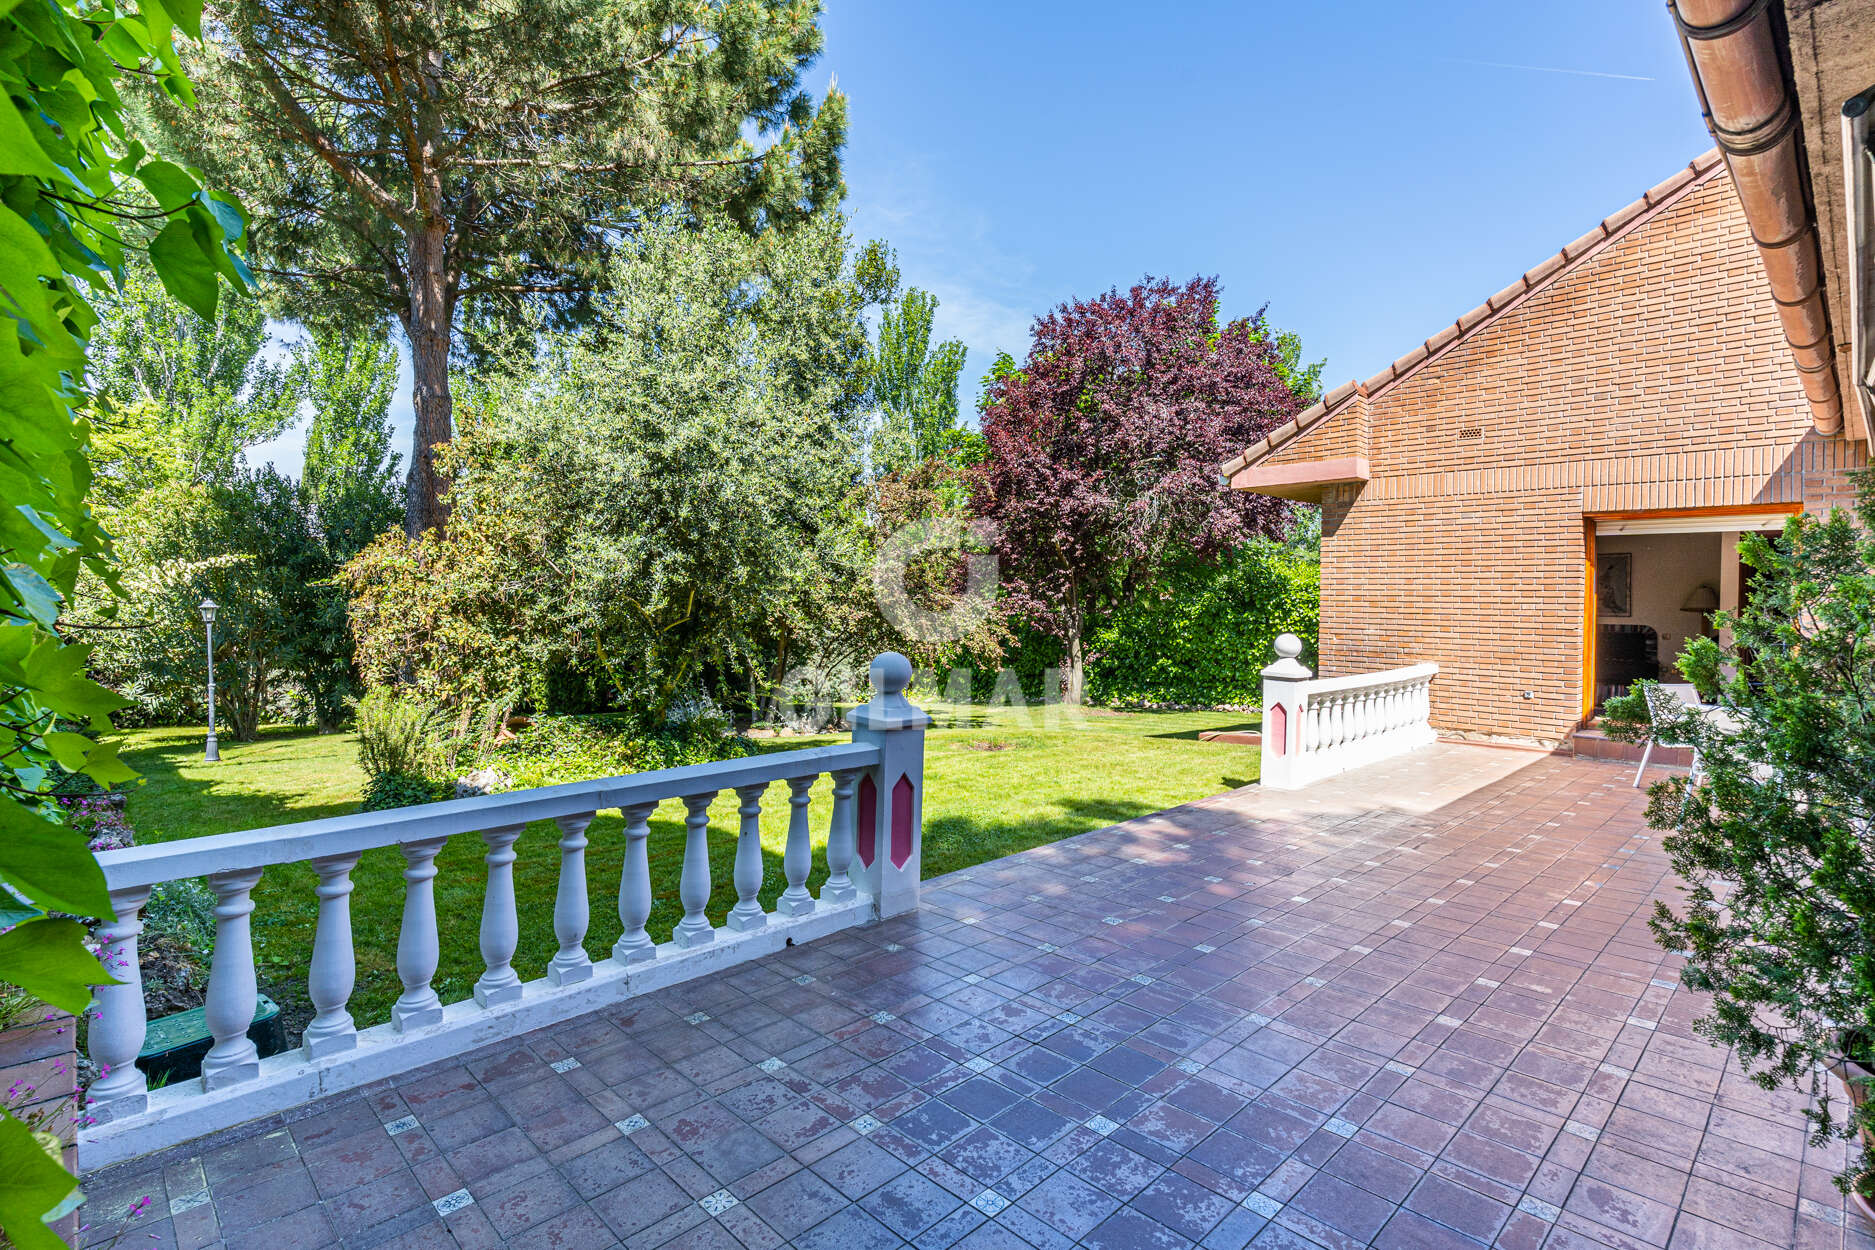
<point x="1287" y="667"/>
<point x="891" y="674"/>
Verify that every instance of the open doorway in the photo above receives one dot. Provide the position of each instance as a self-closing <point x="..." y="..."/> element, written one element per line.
<point x="1655" y="581"/>
<point x="1653" y="593"/>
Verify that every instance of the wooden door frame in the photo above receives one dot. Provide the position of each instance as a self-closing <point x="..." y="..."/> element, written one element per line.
<point x="1590" y="613"/>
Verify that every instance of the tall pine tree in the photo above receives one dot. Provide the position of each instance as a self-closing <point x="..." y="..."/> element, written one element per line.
<point x="410" y="158"/>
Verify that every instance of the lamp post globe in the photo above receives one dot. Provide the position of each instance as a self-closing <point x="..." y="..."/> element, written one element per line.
<point x="212" y="753"/>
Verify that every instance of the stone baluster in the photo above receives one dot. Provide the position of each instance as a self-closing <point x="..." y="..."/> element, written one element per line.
<point x="232" y="991"/>
<point x="747" y="914"/>
<point x="634" y="945"/>
<point x="417" y="949"/>
<point x="501" y="927"/>
<point x="839" y="887"/>
<point x="334" y="968"/>
<point x="693" y="889"/>
<point x="798" y="858"/>
<point x="118" y="1024"/>
<point x="571" y="911"/>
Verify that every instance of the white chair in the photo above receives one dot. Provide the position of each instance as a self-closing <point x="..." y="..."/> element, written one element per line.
<point x="1666" y="700"/>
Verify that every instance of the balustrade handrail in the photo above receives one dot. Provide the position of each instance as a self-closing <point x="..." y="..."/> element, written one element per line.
<point x="873" y="862"/>
<point x="1367" y="681"/>
<point x="332" y="835"/>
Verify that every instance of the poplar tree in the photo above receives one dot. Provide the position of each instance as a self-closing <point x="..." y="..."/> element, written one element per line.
<point x="417" y="160"/>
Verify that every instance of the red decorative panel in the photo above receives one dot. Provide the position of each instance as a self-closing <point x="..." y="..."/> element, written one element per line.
<point x="1277" y="731"/>
<point x="868" y="818"/>
<point x="901" y="821"/>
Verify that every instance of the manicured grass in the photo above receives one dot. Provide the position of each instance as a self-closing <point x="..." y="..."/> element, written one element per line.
<point x="996" y="782"/>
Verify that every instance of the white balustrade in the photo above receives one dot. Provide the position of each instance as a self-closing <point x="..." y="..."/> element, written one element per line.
<point x="232" y="990"/>
<point x="634" y="888"/>
<point x="501" y="928"/>
<point x="747" y="914"/>
<point x="125" y="1118"/>
<point x="334" y="965"/>
<point x="571" y="911"/>
<point x="1315" y="727"/>
<point x="693" y="888"/>
<point x="417" y="947"/>
<point x="118" y="1025"/>
<point x="798" y="857"/>
<point x="839" y="886"/>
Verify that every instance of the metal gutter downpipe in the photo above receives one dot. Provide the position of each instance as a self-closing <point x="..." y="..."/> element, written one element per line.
<point x="1731" y="47"/>
<point x="1858" y="180"/>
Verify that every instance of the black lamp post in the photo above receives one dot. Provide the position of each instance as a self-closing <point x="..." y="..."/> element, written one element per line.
<point x="213" y="754"/>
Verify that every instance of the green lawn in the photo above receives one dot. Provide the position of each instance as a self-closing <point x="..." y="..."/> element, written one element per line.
<point x="997" y="782"/>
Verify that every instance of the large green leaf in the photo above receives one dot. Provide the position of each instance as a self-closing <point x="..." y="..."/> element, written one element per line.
<point x="173" y="186"/>
<point x="187" y="273"/>
<point x="48" y="959"/>
<point x="20" y="153"/>
<point x="33" y="1184"/>
<point x="55" y="674"/>
<point x="50" y="864"/>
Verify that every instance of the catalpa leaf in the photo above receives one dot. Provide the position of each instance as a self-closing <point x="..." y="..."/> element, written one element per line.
<point x="20" y="153"/>
<point x="33" y="1185"/>
<point x="50" y="864"/>
<point x="187" y="274"/>
<point x="48" y="959"/>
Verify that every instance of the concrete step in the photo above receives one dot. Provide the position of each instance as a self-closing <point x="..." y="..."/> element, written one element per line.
<point x="1592" y="744"/>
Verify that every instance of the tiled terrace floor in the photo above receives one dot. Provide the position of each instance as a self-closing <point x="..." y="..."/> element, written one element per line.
<point x="1414" y="1007"/>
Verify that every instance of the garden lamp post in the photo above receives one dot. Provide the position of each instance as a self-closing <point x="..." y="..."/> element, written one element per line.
<point x="213" y="754"/>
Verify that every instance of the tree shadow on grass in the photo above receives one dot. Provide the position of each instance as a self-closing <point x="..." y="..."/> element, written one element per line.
<point x="177" y="795"/>
<point x="959" y="841"/>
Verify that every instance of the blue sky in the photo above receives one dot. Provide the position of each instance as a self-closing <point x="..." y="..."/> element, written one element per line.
<point x="1370" y="171"/>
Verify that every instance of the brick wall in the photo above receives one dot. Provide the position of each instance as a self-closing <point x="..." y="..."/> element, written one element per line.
<point x="1650" y="375"/>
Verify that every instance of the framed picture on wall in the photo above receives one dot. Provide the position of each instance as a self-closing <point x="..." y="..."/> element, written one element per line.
<point x="1613" y="587"/>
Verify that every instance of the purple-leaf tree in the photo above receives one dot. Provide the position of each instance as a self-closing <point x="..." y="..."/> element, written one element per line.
<point x="1103" y="451"/>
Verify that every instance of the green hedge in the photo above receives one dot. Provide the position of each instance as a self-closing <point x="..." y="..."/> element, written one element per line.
<point x="1200" y="637"/>
<point x="1204" y="634"/>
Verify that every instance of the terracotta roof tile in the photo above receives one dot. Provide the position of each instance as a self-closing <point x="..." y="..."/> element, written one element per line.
<point x="1652" y="200"/>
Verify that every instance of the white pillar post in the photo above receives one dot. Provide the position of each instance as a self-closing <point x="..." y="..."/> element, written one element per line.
<point x="1283" y="712"/>
<point x="693" y="888"/>
<point x="747" y="914"/>
<point x="799" y="856"/>
<point x="334" y="970"/>
<point x="501" y="927"/>
<point x="232" y="992"/>
<point x="118" y="1028"/>
<point x="571" y="910"/>
<point x="890" y="722"/>
<point x="417" y="949"/>
<point x="634" y="945"/>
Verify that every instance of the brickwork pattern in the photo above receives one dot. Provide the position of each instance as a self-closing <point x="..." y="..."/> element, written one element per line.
<point x="1652" y="375"/>
<point x="1415" y="1007"/>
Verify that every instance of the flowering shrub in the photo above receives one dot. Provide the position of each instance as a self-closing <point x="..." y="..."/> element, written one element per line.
<point x="99" y="819"/>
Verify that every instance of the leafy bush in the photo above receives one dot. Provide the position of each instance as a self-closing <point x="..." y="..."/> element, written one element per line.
<point x="185" y="911"/>
<point x="398" y="735"/>
<point x="1201" y="635"/>
<point x="584" y="748"/>
<point x="1775" y="838"/>
<point x="391" y="789"/>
